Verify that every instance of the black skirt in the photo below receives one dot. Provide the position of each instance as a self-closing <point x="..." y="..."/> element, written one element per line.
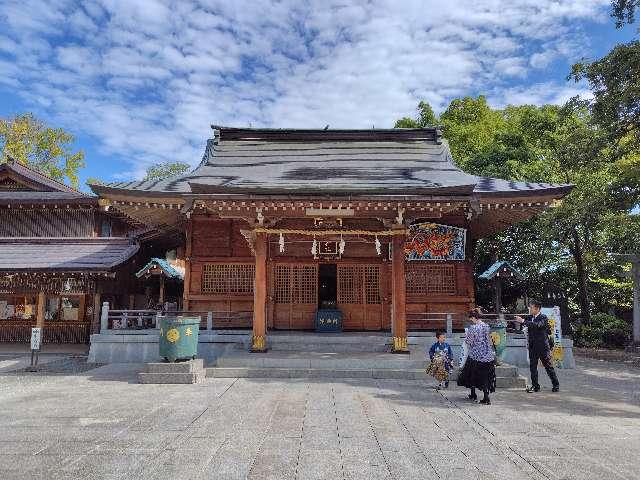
<point x="475" y="374"/>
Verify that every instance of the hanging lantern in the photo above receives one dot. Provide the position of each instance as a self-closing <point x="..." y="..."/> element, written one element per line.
<point x="341" y="245"/>
<point x="378" y="246"/>
<point x="281" y="243"/>
<point x="314" y="247"/>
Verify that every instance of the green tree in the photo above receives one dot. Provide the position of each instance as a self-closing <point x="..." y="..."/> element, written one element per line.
<point x="470" y="125"/>
<point x="426" y="118"/>
<point x="94" y="181"/>
<point x="161" y="171"/>
<point x="49" y="150"/>
<point x="558" y="144"/>
<point x="615" y="82"/>
<point x="624" y="11"/>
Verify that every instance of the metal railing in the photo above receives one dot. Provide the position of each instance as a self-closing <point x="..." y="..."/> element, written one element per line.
<point x="455" y="321"/>
<point x="115" y="319"/>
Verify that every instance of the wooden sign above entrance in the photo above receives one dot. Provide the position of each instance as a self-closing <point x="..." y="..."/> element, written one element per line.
<point x="327" y="248"/>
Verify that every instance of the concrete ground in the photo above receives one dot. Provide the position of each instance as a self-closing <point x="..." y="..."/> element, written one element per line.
<point x="102" y="424"/>
<point x="17" y="356"/>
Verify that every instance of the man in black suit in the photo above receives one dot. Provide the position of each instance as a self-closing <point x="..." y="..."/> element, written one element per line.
<point x="539" y="349"/>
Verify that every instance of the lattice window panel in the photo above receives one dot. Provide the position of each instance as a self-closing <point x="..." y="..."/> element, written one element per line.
<point x="295" y="284"/>
<point x="371" y="284"/>
<point x="423" y="279"/>
<point x="228" y="278"/>
<point x="349" y="284"/>
<point x="359" y="284"/>
<point x="282" y="284"/>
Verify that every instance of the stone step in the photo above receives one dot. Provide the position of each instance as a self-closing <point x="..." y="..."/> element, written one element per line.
<point x="320" y="360"/>
<point x="330" y="347"/>
<point x="171" y="378"/>
<point x="192" y="366"/>
<point x="385" y="373"/>
<point x="511" y="382"/>
<point x="333" y="361"/>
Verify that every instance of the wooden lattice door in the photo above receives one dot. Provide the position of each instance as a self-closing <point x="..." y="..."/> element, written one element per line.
<point x="359" y="297"/>
<point x="295" y="295"/>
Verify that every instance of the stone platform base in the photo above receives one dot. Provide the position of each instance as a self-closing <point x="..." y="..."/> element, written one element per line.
<point x="142" y="346"/>
<point x="192" y="371"/>
<point x="274" y="364"/>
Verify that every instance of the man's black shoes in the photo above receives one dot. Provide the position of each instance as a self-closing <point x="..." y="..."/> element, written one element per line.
<point x="532" y="389"/>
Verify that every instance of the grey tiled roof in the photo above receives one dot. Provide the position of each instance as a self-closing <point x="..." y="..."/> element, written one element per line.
<point x="65" y="254"/>
<point x="395" y="161"/>
<point x="45" y="182"/>
<point x="330" y="166"/>
<point x="47" y="197"/>
<point x="488" y="186"/>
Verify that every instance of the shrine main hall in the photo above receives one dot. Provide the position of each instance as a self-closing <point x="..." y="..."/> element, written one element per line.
<point x="358" y="230"/>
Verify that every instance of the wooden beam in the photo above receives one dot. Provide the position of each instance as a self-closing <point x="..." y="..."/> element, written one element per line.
<point x="259" y="339"/>
<point x="398" y="296"/>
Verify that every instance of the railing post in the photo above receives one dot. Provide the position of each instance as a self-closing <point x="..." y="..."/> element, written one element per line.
<point x="449" y="324"/>
<point x="140" y="320"/>
<point x="124" y="320"/>
<point x="209" y="320"/>
<point x="157" y="319"/>
<point x="104" y="317"/>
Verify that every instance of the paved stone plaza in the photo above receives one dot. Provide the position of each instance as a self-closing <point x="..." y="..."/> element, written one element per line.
<point x="101" y="424"/>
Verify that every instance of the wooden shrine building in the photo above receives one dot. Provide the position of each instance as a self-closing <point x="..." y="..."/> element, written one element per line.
<point x="378" y="225"/>
<point x="58" y="254"/>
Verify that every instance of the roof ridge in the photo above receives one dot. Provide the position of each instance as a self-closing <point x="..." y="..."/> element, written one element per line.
<point x="12" y="161"/>
<point x="432" y="133"/>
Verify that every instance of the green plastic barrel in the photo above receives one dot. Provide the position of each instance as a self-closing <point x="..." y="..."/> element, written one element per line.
<point x="179" y="338"/>
<point x="499" y="338"/>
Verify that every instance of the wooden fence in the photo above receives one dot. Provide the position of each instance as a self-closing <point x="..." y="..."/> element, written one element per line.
<point x="54" y="332"/>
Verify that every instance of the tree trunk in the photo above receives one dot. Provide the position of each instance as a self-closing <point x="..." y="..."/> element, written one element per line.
<point x="583" y="292"/>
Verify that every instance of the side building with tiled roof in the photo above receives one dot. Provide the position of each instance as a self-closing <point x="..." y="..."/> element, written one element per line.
<point x="61" y="255"/>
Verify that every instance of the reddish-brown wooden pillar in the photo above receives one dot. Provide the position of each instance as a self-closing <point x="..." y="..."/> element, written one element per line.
<point x="186" y="292"/>
<point x="398" y="297"/>
<point x="40" y="310"/>
<point x="259" y="339"/>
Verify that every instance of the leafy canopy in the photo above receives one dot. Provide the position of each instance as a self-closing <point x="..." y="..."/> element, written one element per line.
<point x="164" y="170"/>
<point x="49" y="150"/>
<point x="623" y="11"/>
<point x="615" y="82"/>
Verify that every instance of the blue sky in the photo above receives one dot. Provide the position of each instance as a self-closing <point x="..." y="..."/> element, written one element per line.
<point x="141" y="81"/>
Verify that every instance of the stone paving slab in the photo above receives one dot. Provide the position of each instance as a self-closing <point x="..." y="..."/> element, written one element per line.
<point x="102" y="424"/>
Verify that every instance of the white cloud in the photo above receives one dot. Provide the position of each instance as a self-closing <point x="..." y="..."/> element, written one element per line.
<point x="538" y="94"/>
<point x="146" y="78"/>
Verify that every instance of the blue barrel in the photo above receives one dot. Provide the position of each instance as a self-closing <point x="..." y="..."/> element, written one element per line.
<point x="179" y="338"/>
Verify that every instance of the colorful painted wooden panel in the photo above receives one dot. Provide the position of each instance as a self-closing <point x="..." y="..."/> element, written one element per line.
<point x="432" y="241"/>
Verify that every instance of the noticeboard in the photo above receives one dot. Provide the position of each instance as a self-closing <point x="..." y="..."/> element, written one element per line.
<point x="36" y="334"/>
